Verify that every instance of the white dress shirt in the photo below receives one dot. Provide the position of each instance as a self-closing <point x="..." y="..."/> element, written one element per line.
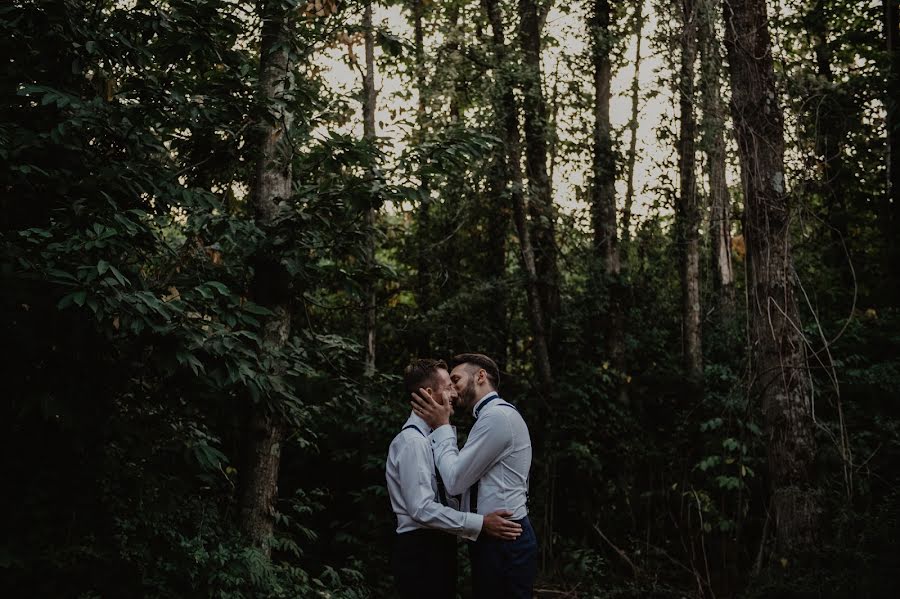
<point x="412" y="486"/>
<point x="497" y="455"/>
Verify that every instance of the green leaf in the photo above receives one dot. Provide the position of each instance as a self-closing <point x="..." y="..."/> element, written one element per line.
<point x="709" y="462"/>
<point x="257" y="309"/>
<point x="220" y="287"/>
<point x="119" y="277"/>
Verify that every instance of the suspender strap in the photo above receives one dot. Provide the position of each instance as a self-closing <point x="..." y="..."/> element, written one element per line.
<point x="442" y="490"/>
<point x="485" y="403"/>
<point x="473" y="490"/>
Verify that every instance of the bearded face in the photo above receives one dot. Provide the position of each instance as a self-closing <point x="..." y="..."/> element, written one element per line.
<point x="468" y="394"/>
<point x="463" y="377"/>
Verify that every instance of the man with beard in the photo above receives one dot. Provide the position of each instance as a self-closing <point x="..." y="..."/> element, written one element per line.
<point x="493" y="464"/>
<point x="424" y="560"/>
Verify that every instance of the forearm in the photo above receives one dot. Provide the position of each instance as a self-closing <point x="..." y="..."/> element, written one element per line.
<point x="435" y="516"/>
<point x="461" y="468"/>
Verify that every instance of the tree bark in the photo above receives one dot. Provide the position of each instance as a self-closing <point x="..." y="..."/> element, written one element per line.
<point x="633" y="125"/>
<point x="892" y="105"/>
<point x="828" y="124"/>
<point x="369" y="97"/>
<point x="507" y="116"/>
<point x="454" y="54"/>
<point x="423" y="222"/>
<point x="777" y="344"/>
<point x="603" y="188"/>
<point x="687" y="210"/>
<point x="713" y="139"/>
<point x="540" y="205"/>
<point x="498" y="212"/>
<point x="271" y="187"/>
<point x="505" y="107"/>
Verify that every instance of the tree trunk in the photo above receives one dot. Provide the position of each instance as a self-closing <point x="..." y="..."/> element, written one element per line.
<point x="778" y="355"/>
<point x="507" y="117"/>
<point x="603" y="188"/>
<point x="828" y="123"/>
<point x="369" y="94"/>
<point x="505" y="107"/>
<point x="687" y="210"/>
<point x="271" y="187"/>
<point x="713" y="139"/>
<point x="497" y="211"/>
<point x="540" y="205"/>
<point x="455" y="53"/>
<point x="259" y="478"/>
<point x="423" y="222"/>
<point x="892" y="105"/>
<point x="633" y="125"/>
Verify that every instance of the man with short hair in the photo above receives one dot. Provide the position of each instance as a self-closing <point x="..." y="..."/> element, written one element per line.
<point x="494" y="464"/>
<point x="424" y="560"/>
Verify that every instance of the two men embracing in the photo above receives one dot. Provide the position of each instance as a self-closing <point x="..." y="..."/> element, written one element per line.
<point x="439" y="492"/>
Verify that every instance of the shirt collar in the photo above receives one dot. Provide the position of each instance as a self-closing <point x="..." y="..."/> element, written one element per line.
<point x="481" y="401"/>
<point x="417" y="421"/>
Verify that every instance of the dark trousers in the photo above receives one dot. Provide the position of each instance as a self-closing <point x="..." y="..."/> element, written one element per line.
<point x="504" y="569"/>
<point x="424" y="565"/>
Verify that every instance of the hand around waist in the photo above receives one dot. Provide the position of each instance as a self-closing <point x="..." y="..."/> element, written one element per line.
<point x="499" y="526"/>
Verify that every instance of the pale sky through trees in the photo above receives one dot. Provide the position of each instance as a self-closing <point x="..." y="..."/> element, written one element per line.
<point x="395" y="115"/>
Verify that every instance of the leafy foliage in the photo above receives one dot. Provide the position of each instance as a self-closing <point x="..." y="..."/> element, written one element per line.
<point x="135" y="336"/>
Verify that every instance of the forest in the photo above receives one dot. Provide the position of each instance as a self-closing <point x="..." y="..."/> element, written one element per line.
<point x="227" y="226"/>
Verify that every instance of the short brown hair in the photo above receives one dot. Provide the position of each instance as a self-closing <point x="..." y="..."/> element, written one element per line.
<point x="481" y="361"/>
<point x="420" y="372"/>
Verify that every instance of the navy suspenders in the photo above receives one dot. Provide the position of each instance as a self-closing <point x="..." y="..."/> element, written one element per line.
<point x="473" y="491"/>
<point x="442" y="492"/>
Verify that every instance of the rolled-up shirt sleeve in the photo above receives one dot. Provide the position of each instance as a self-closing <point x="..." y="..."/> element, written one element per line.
<point x="418" y="496"/>
<point x="489" y="440"/>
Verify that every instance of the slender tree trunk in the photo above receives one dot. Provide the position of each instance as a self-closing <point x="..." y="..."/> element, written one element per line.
<point x="369" y="97"/>
<point x="455" y="63"/>
<point x="498" y="213"/>
<point x="713" y="139"/>
<point x="687" y="210"/>
<point x="507" y="115"/>
<point x="271" y="187"/>
<point x="892" y="104"/>
<point x="495" y="205"/>
<point x="505" y="106"/>
<point x="633" y="124"/>
<point x="777" y="344"/>
<point x="553" y="124"/>
<point x="540" y="205"/>
<point x="603" y="188"/>
<point x="423" y="222"/>
<point x="830" y="131"/>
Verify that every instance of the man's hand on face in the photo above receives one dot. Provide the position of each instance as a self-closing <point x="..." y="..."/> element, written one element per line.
<point x="496" y="525"/>
<point x="433" y="412"/>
